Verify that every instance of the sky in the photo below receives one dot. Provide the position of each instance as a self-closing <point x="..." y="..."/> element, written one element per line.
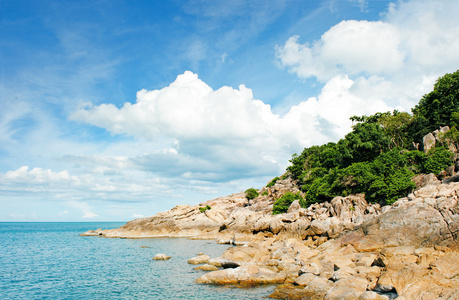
<point x="115" y="110"/>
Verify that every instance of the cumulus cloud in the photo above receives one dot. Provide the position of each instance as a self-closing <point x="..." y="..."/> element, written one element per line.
<point x="351" y="47"/>
<point x="126" y="185"/>
<point x="222" y="134"/>
<point x="398" y="58"/>
<point x="37" y="176"/>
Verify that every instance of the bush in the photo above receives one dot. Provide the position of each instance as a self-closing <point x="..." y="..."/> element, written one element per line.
<point x="272" y="182"/>
<point x="203" y="209"/>
<point x="251" y="194"/>
<point x="374" y="158"/>
<point x="283" y="203"/>
<point x="438" y="160"/>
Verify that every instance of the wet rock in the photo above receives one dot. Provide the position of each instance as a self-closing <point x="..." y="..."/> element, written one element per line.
<point x="206" y="267"/>
<point x="97" y="232"/>
<point x="161" y="256"/>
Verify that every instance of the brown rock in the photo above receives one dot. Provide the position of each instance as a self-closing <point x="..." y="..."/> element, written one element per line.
<point x="290" y="291"/>
<point x="370" y="295"/>
<point x="294" y="206"/>
<point x="399" y="278"/>
<point x="304" y="279"/>
<point x="447" y="265"/>
<point x="206" y="267"/>
<point x="343" y="273"/>
<point x="347" y="289"/>
<point x="313" y="268"/>
<point x="319" y="287"/>
<point x="202" y="259"/>
<point x="245" y="275"/>
<point x="161" y="256"/>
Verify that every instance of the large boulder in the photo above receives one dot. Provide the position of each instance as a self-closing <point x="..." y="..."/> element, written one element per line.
<point x="245" y="275"/>
<point x="431" y="218"/>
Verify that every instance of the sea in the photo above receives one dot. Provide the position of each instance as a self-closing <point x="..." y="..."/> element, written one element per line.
<point x="52" y="261"/>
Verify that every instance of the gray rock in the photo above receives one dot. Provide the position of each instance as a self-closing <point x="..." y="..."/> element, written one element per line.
<point x="428" y="142"/>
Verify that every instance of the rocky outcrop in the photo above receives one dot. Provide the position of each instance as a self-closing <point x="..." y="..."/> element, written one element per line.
<point x="231" y="219"/>
<point x="181" y="221"/>
<point x="342" y="249"/>
<point x="409" y="251"/>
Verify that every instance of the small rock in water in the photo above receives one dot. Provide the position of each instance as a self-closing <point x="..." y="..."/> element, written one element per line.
<point x="207" y="267"/>
<point x="161" y="256"/>
<point x="202" y="259"/>
<point x="144" y="247"/>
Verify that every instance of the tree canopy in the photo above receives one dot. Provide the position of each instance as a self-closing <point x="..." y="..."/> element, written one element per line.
<point x="378" y="157"/>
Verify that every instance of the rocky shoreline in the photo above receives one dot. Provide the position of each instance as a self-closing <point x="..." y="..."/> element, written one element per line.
<point x="342" y="249"/>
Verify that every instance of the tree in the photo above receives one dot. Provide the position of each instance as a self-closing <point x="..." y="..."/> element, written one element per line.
<point x="395" y="126"/>
<point x="441" y="106"/>
<point x="283" y="203"/>
<point x="251" y="194"/>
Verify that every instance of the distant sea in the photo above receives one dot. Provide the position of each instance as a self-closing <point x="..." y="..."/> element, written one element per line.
<point x="51" y="261"/>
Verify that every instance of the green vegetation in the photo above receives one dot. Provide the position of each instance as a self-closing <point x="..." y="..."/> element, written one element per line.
<point x="283" y="203"/>
<point x="377" y="157"/>
<point x="204" y="208"/>
<point x="251" y="194"/>
<point x="265" y="193"/>
<point x="273" y="182"/>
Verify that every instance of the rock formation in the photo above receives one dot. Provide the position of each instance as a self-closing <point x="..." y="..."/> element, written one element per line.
<point x="409" y="251"/>
<point x="342" y="249"/>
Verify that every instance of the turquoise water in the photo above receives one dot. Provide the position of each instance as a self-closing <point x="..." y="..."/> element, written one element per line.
<point x="51" y="261"/>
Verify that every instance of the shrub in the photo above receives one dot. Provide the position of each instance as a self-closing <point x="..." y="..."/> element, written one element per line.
<point x="438" y="160"/>
<point x="265" y="193"/>
<point x="272" y="182"/>
<point x="283" y="203"/>
<point x="251" y="194"/>
<point x="203" y="209"/>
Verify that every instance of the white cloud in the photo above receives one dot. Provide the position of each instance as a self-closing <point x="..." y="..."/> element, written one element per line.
<point x="395" y="60"/>
<point x="37" y="175"/>
<point x="125" y="185"/>
<point x="350" y="47"/>
<point x="220" y="135"/>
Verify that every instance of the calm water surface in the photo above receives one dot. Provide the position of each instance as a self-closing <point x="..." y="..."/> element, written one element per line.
<point x="51" y="261"/>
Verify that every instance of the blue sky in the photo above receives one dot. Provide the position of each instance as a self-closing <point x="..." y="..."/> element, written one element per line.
<point x="113" y="110"/>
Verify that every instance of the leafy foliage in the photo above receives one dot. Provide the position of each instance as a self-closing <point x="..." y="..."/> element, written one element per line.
<point x="438" y="159"/>
<point x="283" y="203"/>
<point x="273" y="182"/>
<point x="251" y="194"/>
<point x="204" y="208"/>
<point x="441" y="106"/>
<point x="377" y="157"/>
